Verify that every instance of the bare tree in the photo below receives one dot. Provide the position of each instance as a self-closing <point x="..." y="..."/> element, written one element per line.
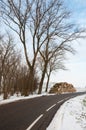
<point x="8" y="64"/>
<point x="45" y="20"/>
<point x="19" y="15"/>
<point x="55" y="64"/>
<point x="16" y="15"/>
<point x="52" y="58"/>
<point x="60" y="31"/>
<point x="1" y="50"/>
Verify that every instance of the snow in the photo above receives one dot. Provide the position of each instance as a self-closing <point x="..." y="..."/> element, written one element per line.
<point x="81" y="89"/>
<point x="16" y="97"/>
<point x="71" y="115"/>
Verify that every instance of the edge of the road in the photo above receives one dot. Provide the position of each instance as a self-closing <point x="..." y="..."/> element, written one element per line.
<point x="59" y="114"/>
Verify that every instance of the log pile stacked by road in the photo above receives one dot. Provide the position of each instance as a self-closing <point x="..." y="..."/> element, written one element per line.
<point x="62" y="87"/>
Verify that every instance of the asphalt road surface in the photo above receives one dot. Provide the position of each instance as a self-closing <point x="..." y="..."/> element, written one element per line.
<point x="31" y="114"/>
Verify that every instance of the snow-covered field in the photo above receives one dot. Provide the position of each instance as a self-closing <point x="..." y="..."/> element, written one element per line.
<point x="71" y="115"/>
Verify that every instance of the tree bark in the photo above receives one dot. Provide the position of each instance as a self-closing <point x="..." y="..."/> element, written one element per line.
<point x="48" y="76"/>
<point x="0" y="84"/>
<point x="29" y="83"/>
<point x="42" y="79"/>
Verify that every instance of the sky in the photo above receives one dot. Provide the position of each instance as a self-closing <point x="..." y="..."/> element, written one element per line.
<point x="76" y="64"/>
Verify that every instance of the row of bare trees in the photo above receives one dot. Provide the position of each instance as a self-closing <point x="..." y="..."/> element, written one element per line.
<point x="47" y="25"/>
<point x="8" y="64"/>
<point x="13" y="74"/>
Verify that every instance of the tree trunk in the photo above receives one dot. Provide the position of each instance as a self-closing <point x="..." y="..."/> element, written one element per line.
<point x="31" y="80"/>
<point x="5" y="96"/>
<point x="0" y="85"/>
<point x="42" y="79"/>
<point x="48" y="76"/>
<point x="29" y="83"/>
<point x="5" y="92"/>
<point x="0" y="82"/>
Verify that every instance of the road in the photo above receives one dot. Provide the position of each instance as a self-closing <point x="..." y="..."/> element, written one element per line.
<point x="31" y="114"/>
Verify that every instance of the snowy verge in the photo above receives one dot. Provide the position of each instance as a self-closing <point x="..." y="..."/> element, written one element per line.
<point x="71" y="115"/>
<point x="15" y="98"/>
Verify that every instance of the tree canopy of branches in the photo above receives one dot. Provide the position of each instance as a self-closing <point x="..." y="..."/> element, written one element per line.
<point x="47" y="22"/>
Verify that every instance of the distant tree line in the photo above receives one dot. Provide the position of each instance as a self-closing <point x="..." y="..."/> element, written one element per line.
<point x="51" y="32"/>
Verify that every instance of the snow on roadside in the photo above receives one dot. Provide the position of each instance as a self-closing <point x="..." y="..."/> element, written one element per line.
<point x="17" y="98"/>
<point x="71" y="115"/>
